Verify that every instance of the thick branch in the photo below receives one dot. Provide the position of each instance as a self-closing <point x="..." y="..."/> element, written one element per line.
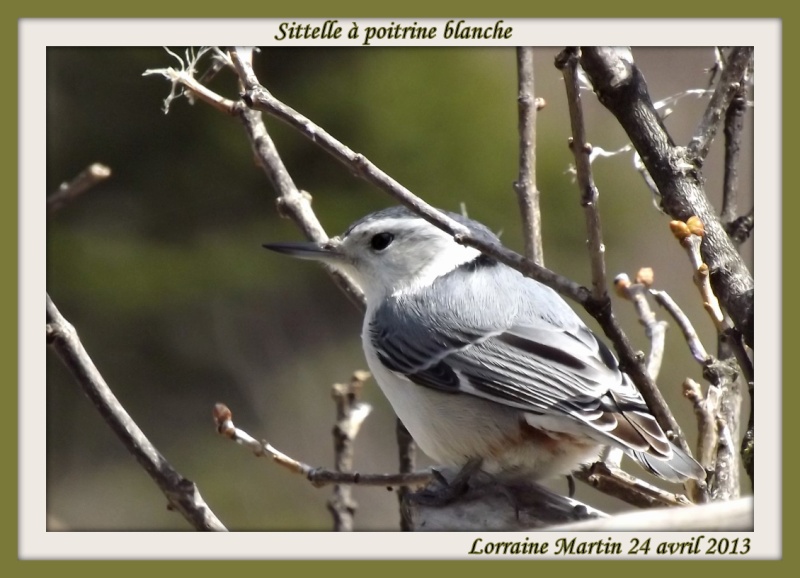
<point x="182" y="494"/>
<point x="621" y="87"/>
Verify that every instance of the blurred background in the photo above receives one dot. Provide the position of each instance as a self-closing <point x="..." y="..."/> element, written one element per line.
<point x="160" y="268"/>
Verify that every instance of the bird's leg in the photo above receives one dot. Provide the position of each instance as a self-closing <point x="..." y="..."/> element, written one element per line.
<point x="571" y="485"/>
<point x="448" y="491"/>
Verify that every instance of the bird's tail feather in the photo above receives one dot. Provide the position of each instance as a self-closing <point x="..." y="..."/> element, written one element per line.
<point x="678" y="468"/>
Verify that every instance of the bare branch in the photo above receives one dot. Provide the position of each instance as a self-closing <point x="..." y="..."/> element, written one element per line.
<point x="654" y="330"/>
<point x="567" y="62"/>
<point x="732" y="79"/>
<point x="705" y="408"/>
<point x="627" y="488"/>
<point x="317" y="476"/>
<point x="489" y="506"/>
<point x="726" y="483"/>
<point x="182" y="494"/>
<point x="620" y="87"/>
<point x="184" y="82"/>
<point x="91" y="176"/>
<point x="350" y="413"/>
<point x="525" y="185"/>
<point x="407" y="451"/>
<point x="260" y="98"/>
<point x="734" y="123"/>
<point x="695" y="345"/>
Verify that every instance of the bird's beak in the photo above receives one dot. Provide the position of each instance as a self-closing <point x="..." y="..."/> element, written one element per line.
<point x="326" y="251"/>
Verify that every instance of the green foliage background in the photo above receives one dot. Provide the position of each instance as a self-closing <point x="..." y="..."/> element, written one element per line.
<point x="161" y="270"/>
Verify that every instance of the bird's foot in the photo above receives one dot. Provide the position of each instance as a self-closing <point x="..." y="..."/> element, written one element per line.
<point x="443" y="491"/>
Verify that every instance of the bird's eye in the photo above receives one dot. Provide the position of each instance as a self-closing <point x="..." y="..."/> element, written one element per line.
<point x="380" y="241"/>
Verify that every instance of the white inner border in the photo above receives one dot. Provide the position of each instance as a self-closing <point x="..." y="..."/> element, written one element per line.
<point x="34" y="37"/>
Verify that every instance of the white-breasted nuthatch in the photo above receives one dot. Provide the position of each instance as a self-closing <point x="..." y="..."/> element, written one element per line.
<point x="482" y="363"/>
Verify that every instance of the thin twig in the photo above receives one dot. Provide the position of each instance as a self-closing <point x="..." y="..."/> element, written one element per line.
<point x="525" y="185"/>
<point x="722" y="374"/>
<point x="655" y="330"/>
<point x="624" y="486"/>
<point x="91" y="176"/>
<point x="350" y="414"/>
<point x="319" y="477"/>
<point x="696" y="347"/>
<point x="567" y="62"/>
<point x="690" y="235"/>
<point x="407" y="452"/>
<point x="182" y="494"/>
<point x="732" y="79"/>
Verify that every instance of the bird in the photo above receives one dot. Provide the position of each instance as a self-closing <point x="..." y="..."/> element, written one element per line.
<point x="483" y="365"/>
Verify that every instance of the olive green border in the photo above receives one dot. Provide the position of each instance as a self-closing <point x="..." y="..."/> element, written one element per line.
<point x="412" y="8"/>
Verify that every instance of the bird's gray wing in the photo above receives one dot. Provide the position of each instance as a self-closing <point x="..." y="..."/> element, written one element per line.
<point x="542" y="368"/>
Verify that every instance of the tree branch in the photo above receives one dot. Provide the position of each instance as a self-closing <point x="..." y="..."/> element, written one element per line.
<point x="407" y="452"/>
<point x="350" y="414"/>
<point x="259" y="98"/>
<point x="317" y="476"/>
<point x="654" y="329"/>
<point x="627" y="488"/>
<point x="734" y="123"/>
<point x="525" y="185"/>
<point x="567" y="62"/>
<point x="91" y="176"/>
<point x="182" y="494"/>
<point x="733" y="78"/>
<point x="621" y="88"/>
